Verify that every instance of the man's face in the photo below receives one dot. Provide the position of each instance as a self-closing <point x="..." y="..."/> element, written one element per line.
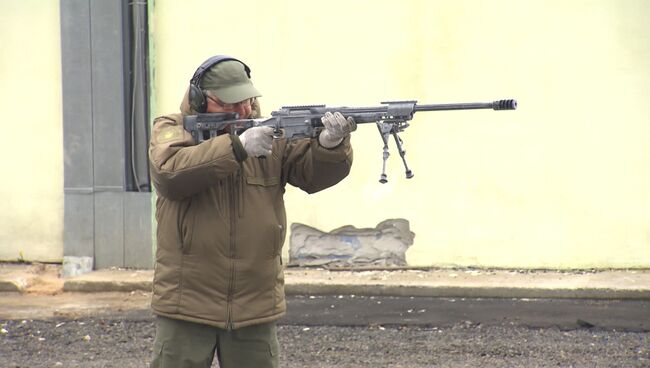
<point x="243" y="108"/>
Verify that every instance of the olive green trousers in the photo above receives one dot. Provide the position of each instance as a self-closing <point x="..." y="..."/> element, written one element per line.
<point x="182" y="344"/>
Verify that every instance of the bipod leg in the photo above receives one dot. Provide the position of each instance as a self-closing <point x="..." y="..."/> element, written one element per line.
<point x="384" y="131"/>
<point x="402" y="153"/>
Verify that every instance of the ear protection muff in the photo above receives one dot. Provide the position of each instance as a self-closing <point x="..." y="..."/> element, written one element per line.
<point x="197" y="99"/>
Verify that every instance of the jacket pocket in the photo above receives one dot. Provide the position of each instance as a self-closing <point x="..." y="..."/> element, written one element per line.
<point x="263" y="195"/>
<point x="277" y="247"/>
<point x="185" y="226"/>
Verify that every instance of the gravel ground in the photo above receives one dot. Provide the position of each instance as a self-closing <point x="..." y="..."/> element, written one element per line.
<point x="126" y="342"/>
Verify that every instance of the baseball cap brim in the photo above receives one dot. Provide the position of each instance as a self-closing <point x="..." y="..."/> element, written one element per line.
<point x="236" y="93"/>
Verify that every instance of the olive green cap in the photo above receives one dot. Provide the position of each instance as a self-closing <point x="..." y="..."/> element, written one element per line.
<point x="229" y="81"/>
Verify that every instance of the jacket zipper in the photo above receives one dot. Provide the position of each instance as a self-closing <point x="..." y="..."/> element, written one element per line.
<point x="233" y="221"/>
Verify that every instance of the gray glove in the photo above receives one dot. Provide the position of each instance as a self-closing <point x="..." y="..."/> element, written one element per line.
<point x="336" y="128"/>
<point x="257" y="141"/>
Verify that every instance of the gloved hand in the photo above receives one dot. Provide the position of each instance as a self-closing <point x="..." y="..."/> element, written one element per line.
<point x="336" y="128"/>
<point x="257" y="141"/>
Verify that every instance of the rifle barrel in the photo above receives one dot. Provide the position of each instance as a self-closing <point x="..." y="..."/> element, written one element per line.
<point x="496" y="105"/>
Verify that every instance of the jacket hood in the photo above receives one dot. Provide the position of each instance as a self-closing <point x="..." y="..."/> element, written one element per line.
<point x="186" y="109"/>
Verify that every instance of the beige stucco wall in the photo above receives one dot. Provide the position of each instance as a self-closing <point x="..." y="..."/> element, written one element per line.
<point x="562" y="182"/>
<point x="31" y="192"/>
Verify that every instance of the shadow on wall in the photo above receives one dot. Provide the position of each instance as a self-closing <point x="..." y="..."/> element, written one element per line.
<point x="384" y="245"/>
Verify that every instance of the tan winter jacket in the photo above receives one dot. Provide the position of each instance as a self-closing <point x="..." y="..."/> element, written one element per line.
<point x="221" y="221"/>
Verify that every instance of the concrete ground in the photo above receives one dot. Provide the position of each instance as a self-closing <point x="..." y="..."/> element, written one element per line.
<point x="595" y="284"/>
<point x="369" y="318"/>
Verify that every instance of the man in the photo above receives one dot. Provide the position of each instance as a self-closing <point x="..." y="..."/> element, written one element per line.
<point x="218" y="284"/>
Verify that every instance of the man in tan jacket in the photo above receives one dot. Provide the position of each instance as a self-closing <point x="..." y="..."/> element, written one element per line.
<point x="218" y="283"/>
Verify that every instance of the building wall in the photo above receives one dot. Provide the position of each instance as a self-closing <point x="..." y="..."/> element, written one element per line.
<point x="561" y="182"/>
<point x="31" y="192"/>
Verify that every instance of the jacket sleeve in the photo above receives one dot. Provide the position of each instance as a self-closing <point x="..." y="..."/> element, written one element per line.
<point x="179" y="168"/>
<point x="312" y="167"/>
